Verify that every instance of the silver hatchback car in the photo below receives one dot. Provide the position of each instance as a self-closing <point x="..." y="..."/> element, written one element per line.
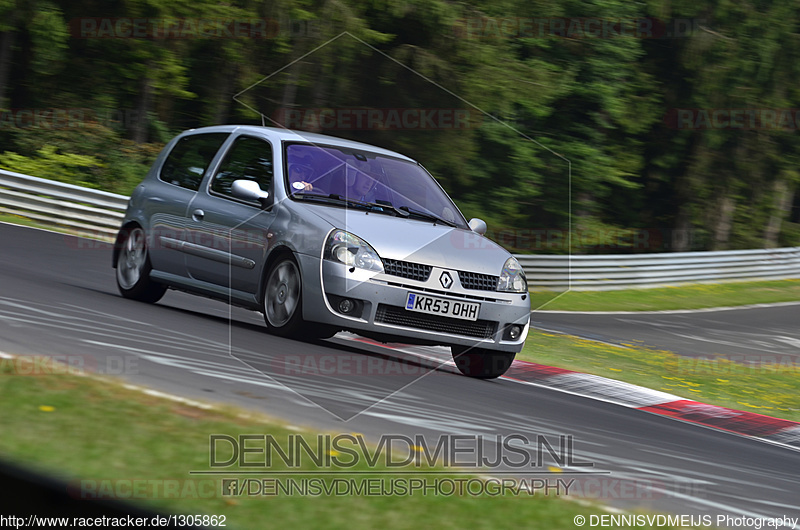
<point x="322" y="234"/>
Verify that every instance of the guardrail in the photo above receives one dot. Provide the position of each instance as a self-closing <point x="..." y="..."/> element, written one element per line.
<point x="86" y="211"/>
<point x="630" y="271"/>
<point x="99" y="214"/>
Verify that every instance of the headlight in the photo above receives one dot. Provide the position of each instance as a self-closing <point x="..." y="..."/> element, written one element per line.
<point x="512" y="279"/>
<point x="353" y="251"/>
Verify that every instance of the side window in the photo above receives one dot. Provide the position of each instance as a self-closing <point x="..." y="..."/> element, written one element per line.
<point x="248" y="159"/>
<point x="189" y="159"/>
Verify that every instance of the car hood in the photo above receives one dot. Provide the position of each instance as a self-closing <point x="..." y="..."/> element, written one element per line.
<point x="418" y="241"/>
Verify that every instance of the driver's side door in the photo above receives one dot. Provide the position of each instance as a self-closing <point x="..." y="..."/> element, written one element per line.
<point x="228" y="235"/>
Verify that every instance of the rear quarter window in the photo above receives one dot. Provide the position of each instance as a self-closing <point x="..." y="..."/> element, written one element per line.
<point x="189" y="159"/>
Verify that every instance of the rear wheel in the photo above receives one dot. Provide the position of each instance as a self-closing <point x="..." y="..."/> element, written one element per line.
<point x="133" y="269"/>
<point x="480" y="362"/>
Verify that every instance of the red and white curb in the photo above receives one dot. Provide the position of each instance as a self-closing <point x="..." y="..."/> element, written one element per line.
<point x="749" y="424"/>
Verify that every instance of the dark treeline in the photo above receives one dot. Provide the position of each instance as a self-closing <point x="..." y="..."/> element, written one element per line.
<point x="678" y="118"/>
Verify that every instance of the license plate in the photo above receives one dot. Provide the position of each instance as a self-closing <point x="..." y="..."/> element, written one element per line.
<point x="430" y="305"/>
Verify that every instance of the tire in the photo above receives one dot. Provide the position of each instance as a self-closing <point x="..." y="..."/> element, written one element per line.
<point x="480" y="362"/>
<point x="320" y="331"/>
<point x="133" y="268"/>
<point x="284" y="284"/>
<point x="283" y="299"/>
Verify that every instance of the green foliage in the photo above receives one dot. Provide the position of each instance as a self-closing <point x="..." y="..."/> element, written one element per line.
<point x="115" y="164"/>
<point x="51" y="165"/>
<point x="564" y="131"/>
<point x="49" y="35"/>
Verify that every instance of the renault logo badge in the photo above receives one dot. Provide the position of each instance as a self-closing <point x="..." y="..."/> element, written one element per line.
<point x="446" y="280"/>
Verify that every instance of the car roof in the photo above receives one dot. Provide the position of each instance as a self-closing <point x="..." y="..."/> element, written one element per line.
<point x="301" y="136"/>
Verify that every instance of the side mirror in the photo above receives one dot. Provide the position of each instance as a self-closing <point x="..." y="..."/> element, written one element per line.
<point x="249" y="190"/>
<point x="477" y="225"/>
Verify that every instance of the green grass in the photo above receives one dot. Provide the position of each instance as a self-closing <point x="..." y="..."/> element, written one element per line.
<point x="693" y="296"/>
<point x="24" y="221"/>
<point x="85" y="429"/>
<point x="769" y="388"/>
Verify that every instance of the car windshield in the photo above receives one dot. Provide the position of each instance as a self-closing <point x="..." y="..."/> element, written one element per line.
<point x="363" y="178"/>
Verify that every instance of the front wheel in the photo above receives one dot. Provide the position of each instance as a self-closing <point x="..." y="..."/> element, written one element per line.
<point x="133" y="269"/>
<point x="283" y="304"/>
<point x="480" y="362"/>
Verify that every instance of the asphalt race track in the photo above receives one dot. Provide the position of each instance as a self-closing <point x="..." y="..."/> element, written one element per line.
<point x="744" y="335"/>
<point x="58" y="296"/>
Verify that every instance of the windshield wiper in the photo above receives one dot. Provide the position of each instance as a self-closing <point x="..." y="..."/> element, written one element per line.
<point x="392" y="207"/>
<point x="333" y="198"/>
<point x="429" y="216"/>
<point x="380" y="206"/>
<point x="330" y="199"/>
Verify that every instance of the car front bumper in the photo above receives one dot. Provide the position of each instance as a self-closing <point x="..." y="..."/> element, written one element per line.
<point x="380" y="299"/>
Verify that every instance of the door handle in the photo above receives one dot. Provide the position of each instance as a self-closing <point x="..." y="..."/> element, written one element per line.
<point x="198" y="215"/>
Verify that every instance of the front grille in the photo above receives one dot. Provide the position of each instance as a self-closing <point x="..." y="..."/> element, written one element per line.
<point x="452" y="294"/>
<point x="406" y="269"/>
<point x="474" y="280"/>
<point x="398" y="316"/>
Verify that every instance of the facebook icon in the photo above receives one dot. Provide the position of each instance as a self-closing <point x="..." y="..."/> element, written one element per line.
<point x="229" y="486"/>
